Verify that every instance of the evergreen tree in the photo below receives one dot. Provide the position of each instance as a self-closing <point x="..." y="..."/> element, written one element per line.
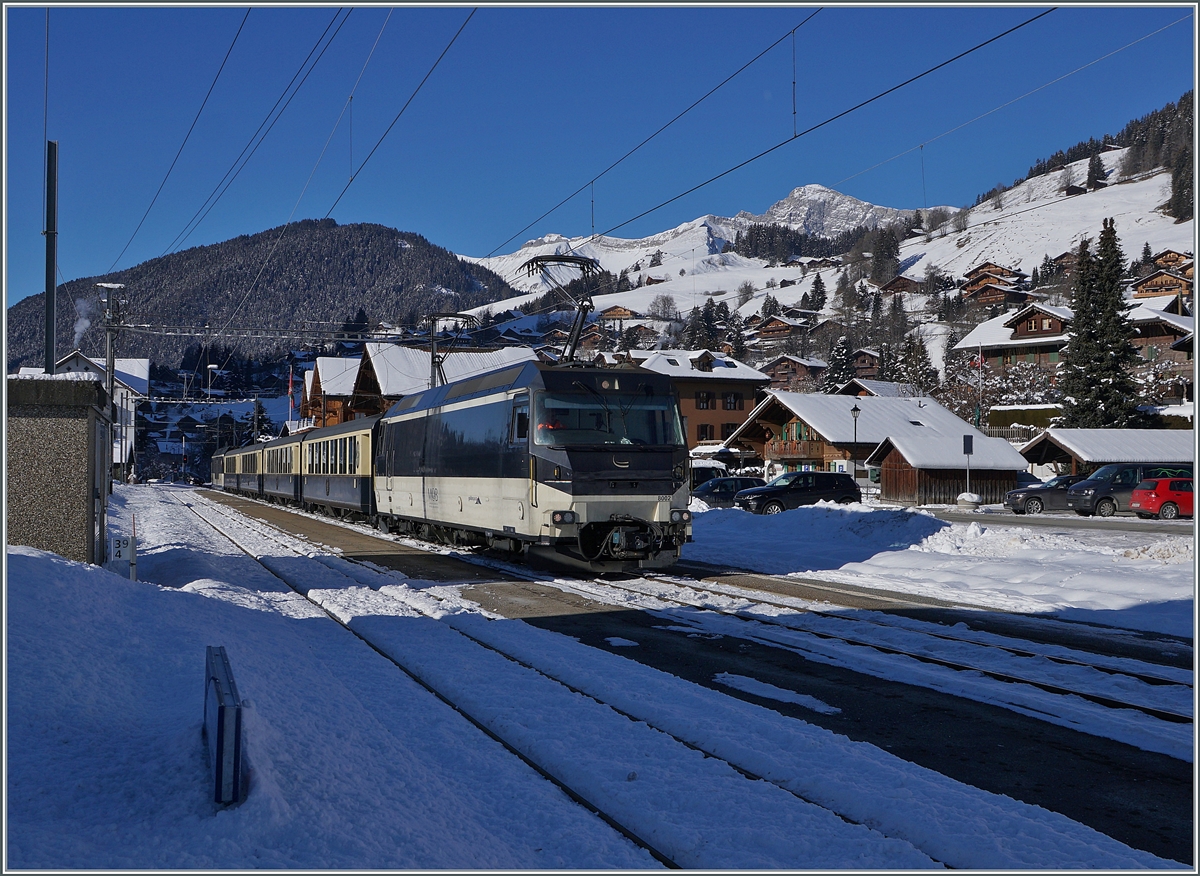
<point x="1147" y="255"/>
<point x="629" y="340"/>
<point x="736" y="335"/>
<point x="819" y="294"/>
<point x="694" y="330"/>
<point x="770" y="307"/>
<point x="1180" y="204"/>
<point x="841" y="367"/>
<point x="1095" y="171"/>
<point x="1096" y="381"/>
<point x="914" y="367"/>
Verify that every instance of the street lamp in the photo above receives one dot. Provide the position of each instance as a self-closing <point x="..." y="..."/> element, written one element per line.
<point x="854" y="412"/>
<point x="211" y="369"/>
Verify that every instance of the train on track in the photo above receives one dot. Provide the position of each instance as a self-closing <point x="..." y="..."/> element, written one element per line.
<point x="583" y="465"/>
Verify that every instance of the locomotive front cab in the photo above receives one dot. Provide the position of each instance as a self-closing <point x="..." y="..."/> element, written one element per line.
<point x="608" y="467"/>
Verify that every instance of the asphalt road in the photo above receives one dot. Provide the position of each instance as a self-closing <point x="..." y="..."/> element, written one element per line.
<point x="1122" y="522"/>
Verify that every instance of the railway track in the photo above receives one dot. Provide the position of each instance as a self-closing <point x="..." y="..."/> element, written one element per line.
<point x="670" y="849"/>
<point x="1144" y="704"/>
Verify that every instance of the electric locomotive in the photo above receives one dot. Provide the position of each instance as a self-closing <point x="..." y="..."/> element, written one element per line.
<point x="584" y="465"/>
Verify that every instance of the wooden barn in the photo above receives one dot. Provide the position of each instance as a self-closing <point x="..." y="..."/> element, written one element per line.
<point x="933" y="470"/>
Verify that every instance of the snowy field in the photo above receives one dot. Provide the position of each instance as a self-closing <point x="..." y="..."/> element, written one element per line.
<point x="355" y="766"/>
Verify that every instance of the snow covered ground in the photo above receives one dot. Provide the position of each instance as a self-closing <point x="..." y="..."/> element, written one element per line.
<point x="357" y="766"/>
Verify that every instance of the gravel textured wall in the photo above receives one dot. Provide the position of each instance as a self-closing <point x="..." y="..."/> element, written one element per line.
<point x="52" y="475"/>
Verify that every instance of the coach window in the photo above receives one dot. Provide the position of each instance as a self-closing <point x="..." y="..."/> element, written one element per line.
<point x="520" y="420"/>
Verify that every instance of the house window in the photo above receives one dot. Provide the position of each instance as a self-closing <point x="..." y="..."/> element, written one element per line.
<point x="734" y="401"/>
<point x="1047" y="324"/>
<point x="1053" y="357"/>
<point x="727" y="430"/>
<point x="1032" y="325"/>
<point x="704" y="432"/>
<point x="703" y="399"/>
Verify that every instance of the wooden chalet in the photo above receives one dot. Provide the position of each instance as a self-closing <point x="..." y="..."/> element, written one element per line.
<point x="1169" y="259"/>
<point x="328" y="391"/>
<point x="618" y="312"/>
<point x="866" y="363"/>
<point x="786" y="371"/>
<point x="777" y="329"/>
<point x="1162" y="282"/>
<point x="981" y="280"/>
<point x="901" y="284"/>
<point x="995" y="293"/>
<point x="1002" y="271"/>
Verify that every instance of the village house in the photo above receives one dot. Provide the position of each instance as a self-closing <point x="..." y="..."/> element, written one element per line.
<point x="813" y="431"/>
<point x="901" y="284"/>
<point x="328" y="388"/>
<point x="715" y="392"/>
<point x="618" y="312"/>
<point x="1162" y="282"/>
<point x="1037" y="333"/>
<point x="785" y="371"/>
<point x="775" y="330"/>
<point x="866" y="363"/>
<point x="1001" y="272"/>
<point x="1000" y="294"/>
<point x="1170" y="259"/>
<point x="884" y="388"/>
<point x="390" y="372"/>
<point x="131" y="384"/>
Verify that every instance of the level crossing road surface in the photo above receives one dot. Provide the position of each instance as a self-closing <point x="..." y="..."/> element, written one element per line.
<point x="1121" y="522"/>
<point x="1142" y="798"/>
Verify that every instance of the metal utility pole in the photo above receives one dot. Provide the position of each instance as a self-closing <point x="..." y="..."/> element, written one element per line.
<point x="51" y="233"/>
<point x="436" y="375"/>
<point x="112" y="318"/>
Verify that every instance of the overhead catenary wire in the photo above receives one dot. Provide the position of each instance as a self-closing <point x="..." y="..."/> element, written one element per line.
<point x="416" y="91"/>
<point x="316" y="164"/>
<point x="186" y="136"/>
<point x="1009" y="103"/>
<point x="679" y="116"/>
<point x="234" y="168"/>
<point x="829" y="120"/>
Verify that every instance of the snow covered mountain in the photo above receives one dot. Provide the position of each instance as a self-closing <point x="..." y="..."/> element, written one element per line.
<point x="1030" y="221"/>
<point x="824" y="212"/>
<point x="813" y="209"/>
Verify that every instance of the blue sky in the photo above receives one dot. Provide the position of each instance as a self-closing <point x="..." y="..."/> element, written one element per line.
<point x="530" y="104"/>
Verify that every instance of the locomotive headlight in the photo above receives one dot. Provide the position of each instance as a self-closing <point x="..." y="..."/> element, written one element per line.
<point x="562" y="518"/>
<point x="678" y="472"/>
<point x="679" y="516"/>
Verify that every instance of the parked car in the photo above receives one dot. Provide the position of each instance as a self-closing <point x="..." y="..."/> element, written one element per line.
<point x="719" y="492"/>
<point x="1109" y="488"/>
<point x="795" y="488"/>
<point x="1039" y="497"/>
<point x="1164" y="498"/>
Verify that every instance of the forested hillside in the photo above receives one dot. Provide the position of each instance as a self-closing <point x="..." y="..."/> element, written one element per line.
<point x="320" y="273"/>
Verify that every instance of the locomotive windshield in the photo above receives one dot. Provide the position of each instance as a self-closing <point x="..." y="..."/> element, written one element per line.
<point x="583" y="415"/>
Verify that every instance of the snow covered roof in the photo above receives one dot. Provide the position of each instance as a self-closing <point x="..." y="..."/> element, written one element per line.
<point x="883" y="388"/>
<point x="881" y="417"/>
<point x="946" y="452"/>
<point x="405" y="370"/>
<point x="1118" y="445"/>
<point x="689" y="363"/>
<point x="1143" y="314"/>
<point x="1063" y="313"/>
<point x="337" y="375"/>
<point x="799" y="360"/>
<point x="134" y="373"/>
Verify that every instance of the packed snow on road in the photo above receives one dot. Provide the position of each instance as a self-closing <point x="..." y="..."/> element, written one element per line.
<point x="355" y="765"/>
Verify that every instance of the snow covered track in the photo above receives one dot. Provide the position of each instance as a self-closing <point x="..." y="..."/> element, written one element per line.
<point x="648" y="774"/>
<point x="1142" y="705"/>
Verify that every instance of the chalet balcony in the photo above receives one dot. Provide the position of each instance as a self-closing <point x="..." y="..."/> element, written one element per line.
<point x="778" y="449"/>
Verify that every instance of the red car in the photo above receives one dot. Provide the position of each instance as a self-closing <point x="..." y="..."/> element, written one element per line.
<point x="1164" y="498"/>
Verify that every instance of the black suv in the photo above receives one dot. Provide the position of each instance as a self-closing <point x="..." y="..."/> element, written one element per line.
<point x="796" y="488"/>
<point x="719" y="492"/>
<point x="1036" y="498"/>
